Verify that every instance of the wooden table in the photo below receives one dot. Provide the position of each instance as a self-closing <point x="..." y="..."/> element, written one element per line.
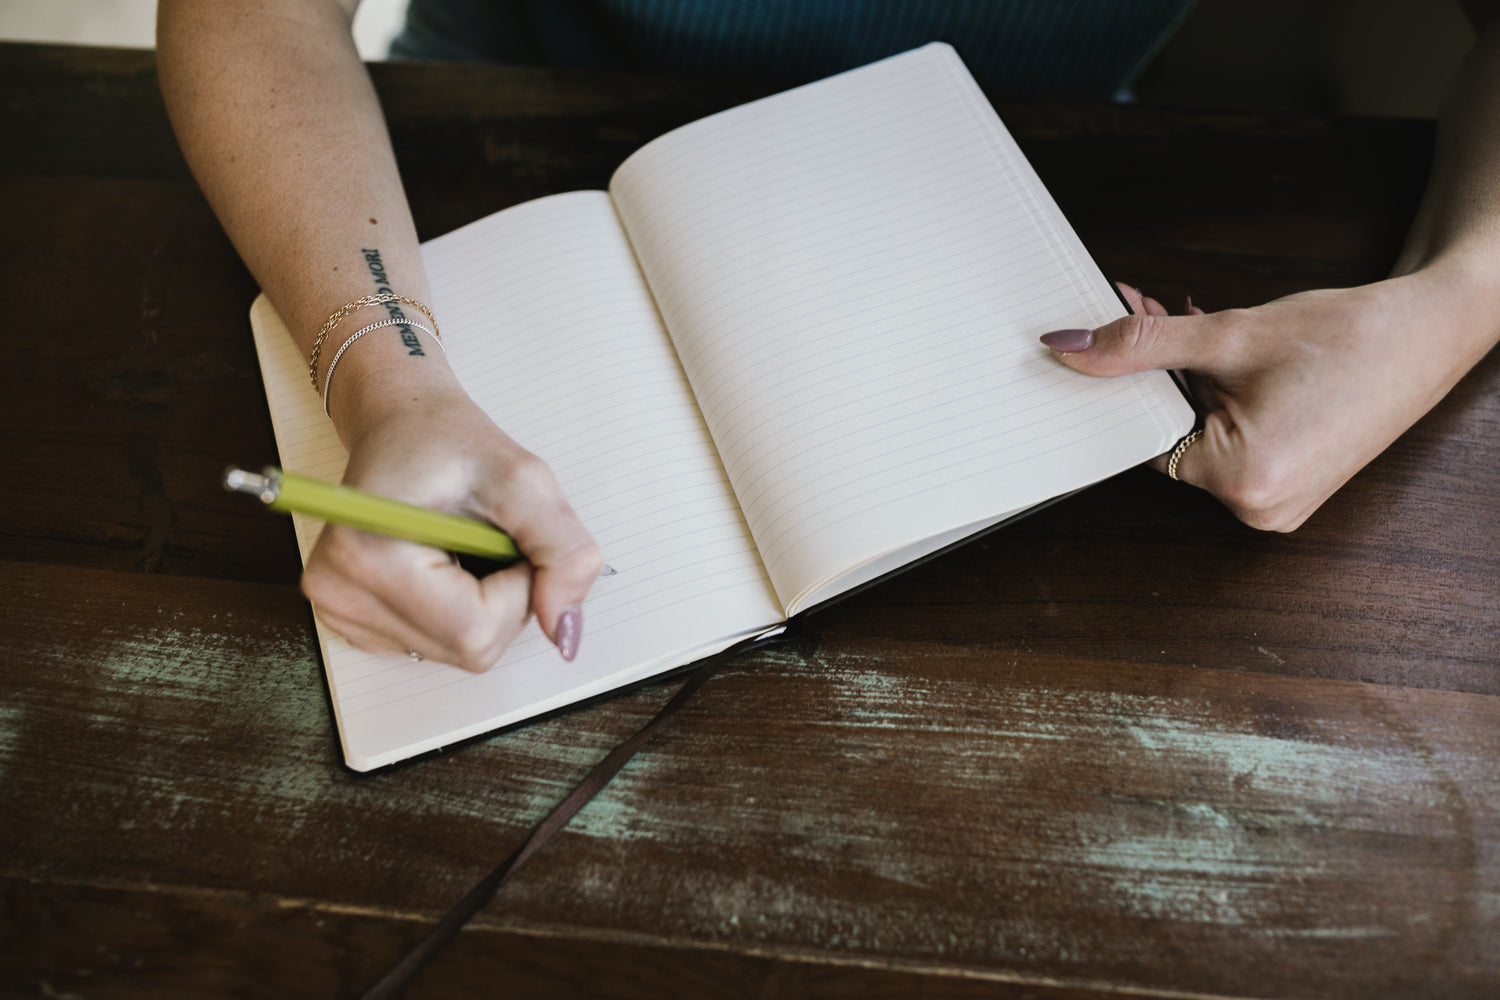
<point x="1126" y="748"/>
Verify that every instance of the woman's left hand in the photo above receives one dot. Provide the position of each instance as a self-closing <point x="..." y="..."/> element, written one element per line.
<point x="1300" y="393"/>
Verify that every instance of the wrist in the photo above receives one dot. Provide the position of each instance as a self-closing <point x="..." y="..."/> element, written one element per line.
<point x="387" y="373"/>
<point x="1461" y="292"/>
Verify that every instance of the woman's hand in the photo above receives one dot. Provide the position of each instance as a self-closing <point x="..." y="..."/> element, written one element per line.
<point x="389" y="596"/>
<point x="1300" y="393"/>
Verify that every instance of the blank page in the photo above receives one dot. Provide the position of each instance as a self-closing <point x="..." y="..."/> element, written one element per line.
<point x="550" y="328"/>
<point x="855" y="274"/>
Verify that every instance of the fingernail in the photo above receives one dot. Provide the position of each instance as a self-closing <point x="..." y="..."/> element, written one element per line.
<point x="569" y="628"/>
<point x="1188" y="306"/>
<point x="1069" y="341"/>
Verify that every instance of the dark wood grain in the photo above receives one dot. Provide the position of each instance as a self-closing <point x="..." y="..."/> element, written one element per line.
<point x="1126" y="747"/>
<point x="868" y="800"/>
<point x="288" y="948"/>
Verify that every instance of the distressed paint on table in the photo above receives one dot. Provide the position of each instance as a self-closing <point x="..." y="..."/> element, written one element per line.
<point x="874" y="801"/>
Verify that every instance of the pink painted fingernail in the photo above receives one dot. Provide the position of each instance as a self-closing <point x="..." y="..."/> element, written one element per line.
<point x="1069" y="341"/>
<point x="569" y="628"/>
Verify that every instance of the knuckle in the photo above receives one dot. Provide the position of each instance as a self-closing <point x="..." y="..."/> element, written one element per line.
<point x="325" y="589"/>
<point x="342" y="552"/>
<point x="530" y="474"/>
<point x="1235" y="333"/>
<point x="475" y="665"/>
<point x="1264" y="496"/>
<point x="587" y="560"/>
<point x="1139" y="333"/>
<point x="1269" y="521"/>
<point x="1249" y="496"/>
<point x="1286" y="522"/>
<point x="475" y="647"/>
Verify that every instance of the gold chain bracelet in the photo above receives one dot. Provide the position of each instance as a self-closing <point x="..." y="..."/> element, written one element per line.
<point x="338" y="317"/>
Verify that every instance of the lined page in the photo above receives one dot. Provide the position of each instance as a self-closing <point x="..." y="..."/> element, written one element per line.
<point x="855" y="274"/>
<point x="549" y="326"/>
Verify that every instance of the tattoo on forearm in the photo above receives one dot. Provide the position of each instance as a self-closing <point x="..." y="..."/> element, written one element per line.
<point x="383" y="286"/>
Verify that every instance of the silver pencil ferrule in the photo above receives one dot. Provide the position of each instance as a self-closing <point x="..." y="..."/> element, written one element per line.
<point x="266" y="486"/>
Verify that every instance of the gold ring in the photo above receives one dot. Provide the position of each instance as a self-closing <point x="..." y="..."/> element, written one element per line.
<point x="1177" y="452"/>
<point x="414" y="656"/>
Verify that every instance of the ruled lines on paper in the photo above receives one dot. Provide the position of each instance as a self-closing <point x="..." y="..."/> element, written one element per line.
<point x="550" y="328"/>
<point x="855" y="274"/>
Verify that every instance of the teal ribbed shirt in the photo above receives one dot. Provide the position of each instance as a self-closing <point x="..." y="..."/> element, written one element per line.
<point x="1083" y="47"/>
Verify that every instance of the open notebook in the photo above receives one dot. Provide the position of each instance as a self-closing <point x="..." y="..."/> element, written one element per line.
<point x="793" y="348"/>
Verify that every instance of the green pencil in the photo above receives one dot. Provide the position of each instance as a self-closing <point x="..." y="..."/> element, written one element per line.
<point x="288" y="492"/>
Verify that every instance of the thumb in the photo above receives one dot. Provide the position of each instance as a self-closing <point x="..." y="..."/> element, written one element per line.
<point x="562" y="579"/>
<point x="1135" y="344"/>
<point x="565" y="561"/>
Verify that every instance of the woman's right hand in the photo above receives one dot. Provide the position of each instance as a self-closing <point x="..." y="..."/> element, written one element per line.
<point x="440" y="450"/>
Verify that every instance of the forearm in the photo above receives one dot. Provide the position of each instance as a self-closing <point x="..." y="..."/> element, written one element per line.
<point x="277" y="119"/>
<point x="1456" y="234"/>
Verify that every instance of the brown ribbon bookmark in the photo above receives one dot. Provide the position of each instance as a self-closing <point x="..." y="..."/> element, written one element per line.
<point x="401" y="974"/>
